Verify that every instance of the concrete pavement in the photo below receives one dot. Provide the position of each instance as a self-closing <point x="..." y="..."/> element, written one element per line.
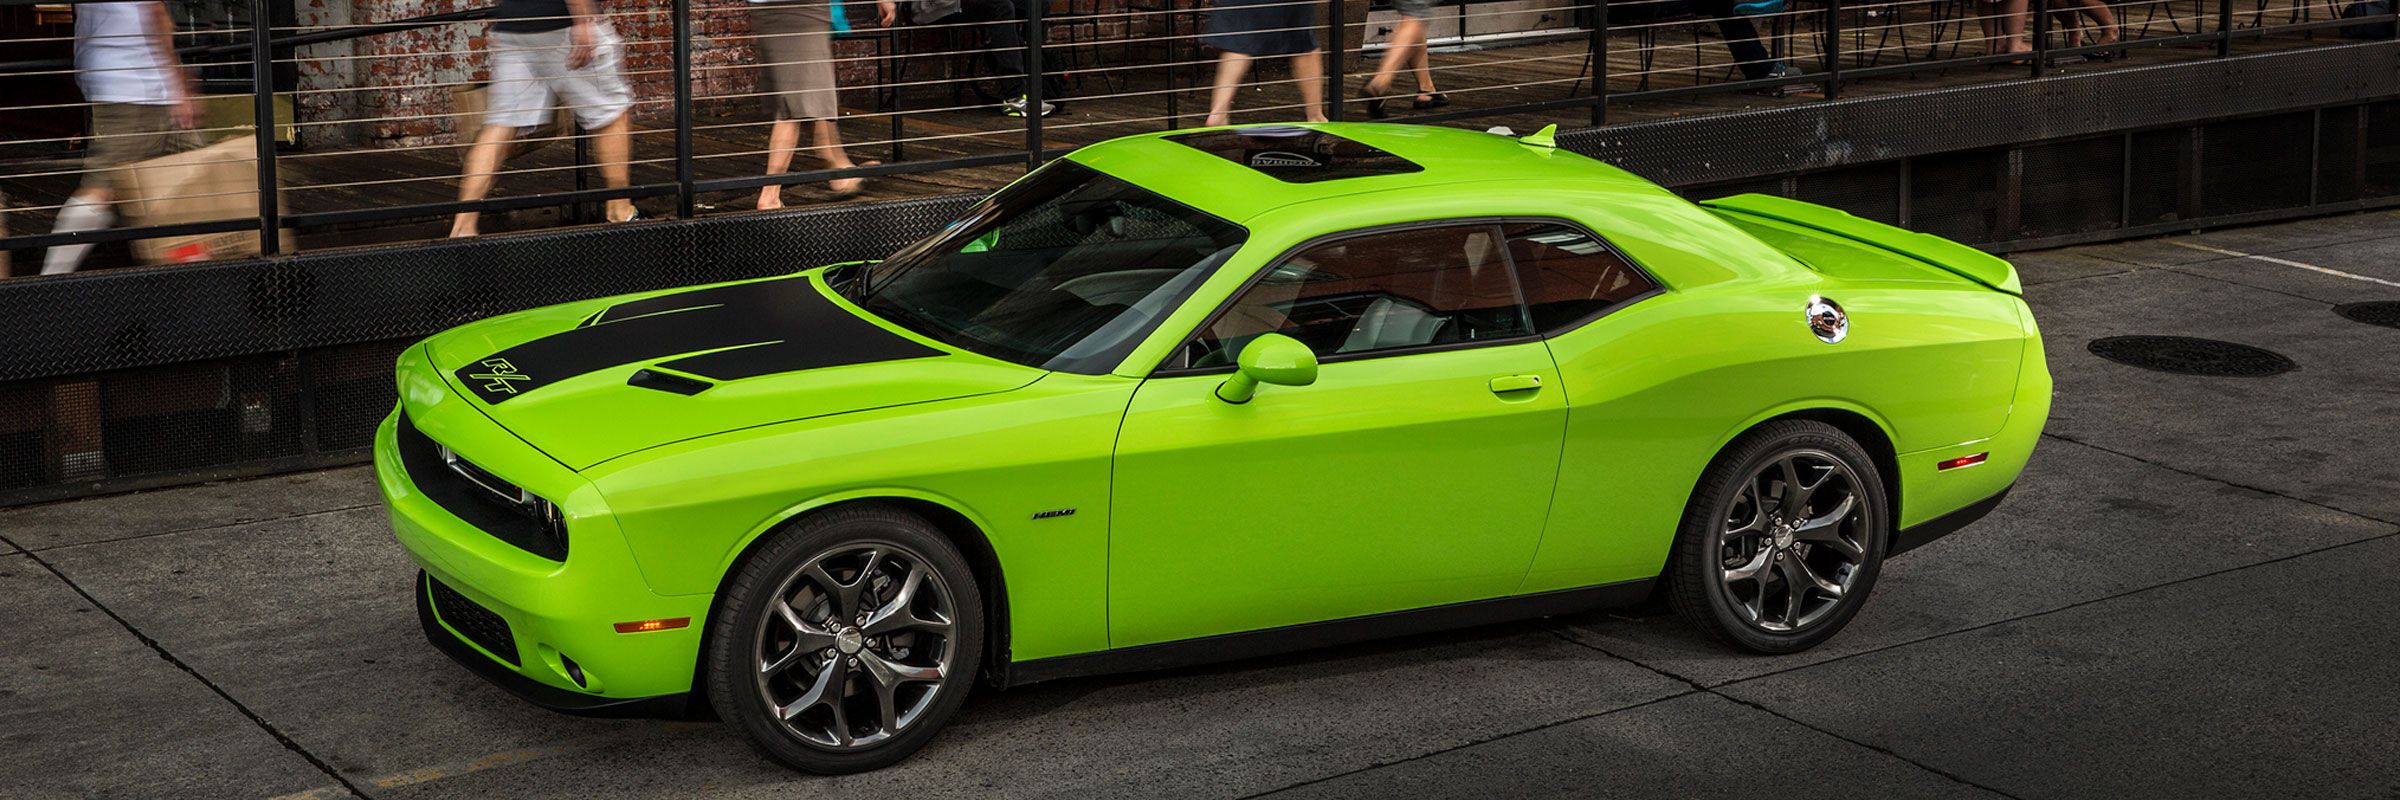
<point x="2185" y="597"/>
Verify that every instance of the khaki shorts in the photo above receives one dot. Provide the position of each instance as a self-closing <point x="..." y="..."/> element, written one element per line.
<point x="529" y="74"/>
<point x="123" y="133"/>
<point x="795" y="51"/>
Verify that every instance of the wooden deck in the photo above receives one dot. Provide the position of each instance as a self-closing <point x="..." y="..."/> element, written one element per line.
<point x="1119" y="93"/>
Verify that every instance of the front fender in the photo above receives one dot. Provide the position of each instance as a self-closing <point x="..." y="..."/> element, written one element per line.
<point x="691" y="509"/>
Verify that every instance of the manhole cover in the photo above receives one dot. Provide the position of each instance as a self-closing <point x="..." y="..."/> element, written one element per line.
<point x="2184" y="355"/>
<point x="2385" y="313"/>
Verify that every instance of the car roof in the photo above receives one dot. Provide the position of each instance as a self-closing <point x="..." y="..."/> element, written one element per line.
<point x="1227" y="188"/>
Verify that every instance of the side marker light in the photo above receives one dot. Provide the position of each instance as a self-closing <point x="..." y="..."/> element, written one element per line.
<point x="648" y="625"/>
<point x="1961" y="461"/>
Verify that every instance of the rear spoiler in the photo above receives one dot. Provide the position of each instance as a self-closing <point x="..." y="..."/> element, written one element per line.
<point x="1967" y="262"/>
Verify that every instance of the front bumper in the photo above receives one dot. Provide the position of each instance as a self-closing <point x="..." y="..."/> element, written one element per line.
<point x="543" y="629"/>
<point x="541" y="694"/>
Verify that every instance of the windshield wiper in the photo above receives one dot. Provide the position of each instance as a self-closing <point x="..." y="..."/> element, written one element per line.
<point x="911" y="319"/>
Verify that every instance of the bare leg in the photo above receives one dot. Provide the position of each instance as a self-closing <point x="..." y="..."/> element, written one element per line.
<point x="1231" y="67"/>
<point x="2110" y="32"/>
<point x="484" y="158"/>
<point x="1424" y="62"/>
<point x="1407" y="38"/>
<point x="780" y="141"/>
<point x="1308" y="70"/>
<point x="2012" y="24"/>
<point x="828" y="136"/>
<point x="613" y="146"/>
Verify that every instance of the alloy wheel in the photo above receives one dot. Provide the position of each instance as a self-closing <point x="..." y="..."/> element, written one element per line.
<point x="858" y="646"/>
<point x="1790" y="544"/>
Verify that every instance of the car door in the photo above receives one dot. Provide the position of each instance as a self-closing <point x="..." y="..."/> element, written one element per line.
<point x="1416" y="471"/>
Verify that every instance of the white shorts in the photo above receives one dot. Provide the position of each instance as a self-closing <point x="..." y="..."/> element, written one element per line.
<point x="530" y="75"/>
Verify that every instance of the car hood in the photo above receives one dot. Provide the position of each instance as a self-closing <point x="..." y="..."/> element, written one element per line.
<point x="590" y="381"/>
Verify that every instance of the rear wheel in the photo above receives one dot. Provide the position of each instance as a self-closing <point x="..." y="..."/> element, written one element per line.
<point x="847" y="641"/>
<point x="1782" y="540"/>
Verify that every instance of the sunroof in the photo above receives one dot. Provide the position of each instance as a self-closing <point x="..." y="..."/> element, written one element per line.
<point x="1296" y="155"/>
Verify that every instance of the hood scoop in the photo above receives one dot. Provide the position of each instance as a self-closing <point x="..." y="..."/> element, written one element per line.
<point x="668" y="382"/>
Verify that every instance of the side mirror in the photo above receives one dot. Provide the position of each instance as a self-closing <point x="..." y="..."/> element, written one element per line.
<point x="1270" y="358"/>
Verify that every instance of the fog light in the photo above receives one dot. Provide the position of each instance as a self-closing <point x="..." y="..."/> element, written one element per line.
<point x="574" y="672"/>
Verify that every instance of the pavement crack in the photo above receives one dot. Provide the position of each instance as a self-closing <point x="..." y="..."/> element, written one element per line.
<point x="2063" y="281"/>
<point x="206" y="528"/>
<point x="1700" y="688"/>
<point x="2179" y="270"/>
<point x="1462" y="746"/>
<point x="2048" y="612"/>
<point x="155" y="647"/>
<point x="2215" y="479"/>
<point x="1697" y="687"/>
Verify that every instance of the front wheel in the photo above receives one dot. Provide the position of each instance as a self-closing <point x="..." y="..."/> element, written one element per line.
<point x="1782" y="540"/>
<point x="847" y="641"/>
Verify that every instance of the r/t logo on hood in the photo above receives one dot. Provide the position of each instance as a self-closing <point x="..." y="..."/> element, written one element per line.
<point x="721" y="333"/>
<point x="499" y="376"/>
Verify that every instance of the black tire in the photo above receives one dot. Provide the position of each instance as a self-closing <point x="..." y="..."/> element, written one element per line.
<point x="739" y="635"/>
<point x="1699" y="579"/>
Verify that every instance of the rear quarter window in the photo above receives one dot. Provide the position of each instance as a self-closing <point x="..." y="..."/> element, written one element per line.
<point x="1569" y="275"/>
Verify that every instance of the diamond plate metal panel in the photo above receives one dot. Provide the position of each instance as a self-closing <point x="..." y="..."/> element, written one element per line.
<point x="1728" y="147"/>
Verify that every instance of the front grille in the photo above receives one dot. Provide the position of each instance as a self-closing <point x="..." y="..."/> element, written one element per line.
<point x="478" y="624"/>
<point x="479" y="498"/>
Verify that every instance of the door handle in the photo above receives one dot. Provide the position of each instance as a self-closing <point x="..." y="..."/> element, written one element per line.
<point x="1507" y="384"/>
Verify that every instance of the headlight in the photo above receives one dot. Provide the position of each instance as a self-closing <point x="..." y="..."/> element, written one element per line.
<point x="554" y="521"/>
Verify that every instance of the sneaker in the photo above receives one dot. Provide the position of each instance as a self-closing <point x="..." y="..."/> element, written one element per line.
<point x="1756" y="8"/>
<point x="1015" y="106"/>
<point x="1781" y="71"/>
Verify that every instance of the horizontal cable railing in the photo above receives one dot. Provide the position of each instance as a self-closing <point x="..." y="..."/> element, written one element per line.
<point x="701" y="106"/>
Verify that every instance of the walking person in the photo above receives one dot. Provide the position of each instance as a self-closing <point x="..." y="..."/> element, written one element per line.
<point x="2004" y="28"/>
<point x="1404" y="50"/>
<point x="544" y="52"/>
<point x="142" y="108"/>
<point x="1242" y="30"/>
<point x="2104" y="23"/>
<point x="1741" y="37"/>
<point x="795" y="53"/>
<point x="1004" y="45"/>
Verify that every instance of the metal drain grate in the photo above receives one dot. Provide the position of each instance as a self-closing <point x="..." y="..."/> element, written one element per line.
<point x="2385" y="313"/>
<point x="2184" y="355"/>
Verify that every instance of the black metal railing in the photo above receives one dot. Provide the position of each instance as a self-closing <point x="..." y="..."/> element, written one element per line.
<point x="1628" y="55"/>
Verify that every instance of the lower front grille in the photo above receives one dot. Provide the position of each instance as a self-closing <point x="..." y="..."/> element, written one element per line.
<point x="478" y="624"/>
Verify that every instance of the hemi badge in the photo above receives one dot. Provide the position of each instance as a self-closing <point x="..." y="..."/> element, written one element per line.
<point x="1054" y="513"/>
<point x="1961" y="461"/>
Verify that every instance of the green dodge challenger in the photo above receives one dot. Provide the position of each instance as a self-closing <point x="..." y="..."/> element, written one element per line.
<point x="1195" y="396"/>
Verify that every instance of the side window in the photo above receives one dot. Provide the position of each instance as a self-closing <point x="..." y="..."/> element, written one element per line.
<point x="1378" y="292"/>
<point x="1567" y="274"/>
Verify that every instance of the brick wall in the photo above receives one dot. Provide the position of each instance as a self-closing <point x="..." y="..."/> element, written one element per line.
<point x="398" y="84"/>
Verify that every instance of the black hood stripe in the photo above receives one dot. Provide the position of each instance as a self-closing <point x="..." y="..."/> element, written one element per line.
<point x="761" y="328"/>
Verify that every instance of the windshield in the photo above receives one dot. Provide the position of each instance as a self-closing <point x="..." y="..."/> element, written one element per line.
<point x="1066" y="269"/>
